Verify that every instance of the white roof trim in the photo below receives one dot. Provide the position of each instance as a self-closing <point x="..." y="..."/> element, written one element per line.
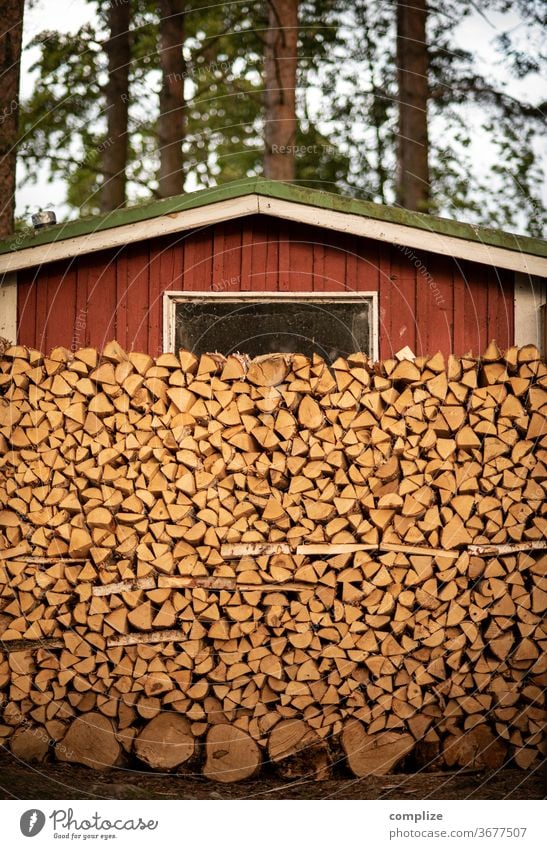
<point x="400" y="234"/>
<point x="126" y="234"/>
<point x="213" y="213"/>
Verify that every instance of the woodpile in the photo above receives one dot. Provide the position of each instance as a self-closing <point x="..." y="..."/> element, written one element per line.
<point x="210" y="564"/>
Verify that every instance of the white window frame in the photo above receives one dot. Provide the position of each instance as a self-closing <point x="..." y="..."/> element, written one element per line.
<point x="171" y="299"/>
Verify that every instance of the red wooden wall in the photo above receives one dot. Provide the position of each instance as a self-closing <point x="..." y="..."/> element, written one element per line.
<point x="428" y="302"/>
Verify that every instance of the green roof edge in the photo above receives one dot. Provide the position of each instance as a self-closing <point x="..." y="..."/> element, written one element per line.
<point x="282" y="191"/>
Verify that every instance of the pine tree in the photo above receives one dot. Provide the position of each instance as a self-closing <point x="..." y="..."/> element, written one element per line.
<point x="497" y="182"/>
<point x="171" y="106"/>
<point x="413" y="187"/>
<point x="280" y="74"/>
<point x="11" y="36"/>
<point x="115" y="148"/>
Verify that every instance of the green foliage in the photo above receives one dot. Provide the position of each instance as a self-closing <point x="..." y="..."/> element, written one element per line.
<point x="61" y="125"/>
<point x="472" y="119"/>
<point x="358" y="83"/>
<point x="347" y="106"/>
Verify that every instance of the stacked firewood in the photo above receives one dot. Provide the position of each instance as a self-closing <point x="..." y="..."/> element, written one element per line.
<point x="213" y="564"/>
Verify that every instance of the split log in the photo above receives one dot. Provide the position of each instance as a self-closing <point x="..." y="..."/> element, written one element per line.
<point x="165" y="742"/>
<point x="297" y="751"/>
<point x="232" y="755"/>
<point x="373" y="754"/>
<point x="270" y="370"/>
<point x="477" y="748"/>
<point x="91" y="741"/>
<point x="305" y="548"/>
<point x="527" y="757"/>
<point x="310" y="414"/>
<point x="30" y="744"/>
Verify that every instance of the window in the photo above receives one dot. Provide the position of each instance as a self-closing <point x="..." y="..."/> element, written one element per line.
<point x="329" y="325"/>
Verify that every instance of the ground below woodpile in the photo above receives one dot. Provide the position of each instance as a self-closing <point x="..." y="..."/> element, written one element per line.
<point x="62" y="781"/>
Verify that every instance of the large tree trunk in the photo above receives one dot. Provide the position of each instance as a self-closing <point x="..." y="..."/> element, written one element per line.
<point x="280" y="66"/>
<point x="171" y="117"/>
<point x="412" y="64"/>
<point x="11" y="35"/>
<point x="114" y="151"/>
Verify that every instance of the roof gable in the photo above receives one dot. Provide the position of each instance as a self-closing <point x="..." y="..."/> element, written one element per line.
<point x="282" y="200"/>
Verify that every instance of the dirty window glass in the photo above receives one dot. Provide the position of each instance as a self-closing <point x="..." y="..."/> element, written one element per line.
<point x="329" y="328"/>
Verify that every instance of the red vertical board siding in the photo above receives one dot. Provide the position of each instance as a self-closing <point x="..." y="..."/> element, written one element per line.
<point x="318" y="268"/>
<point x="367" y="269"/>
<point x="231" y="258"/>
<point x="138" y="307"/>
<point x="401" y="319"/>
<point x="296" y="258"/>
<point x="263" y="262"/>
<point x="424" y="307"/>
<point x="165" y="274"/>
<point x="334" y="265"/>
<point x="284" y="267"/>
<point x="47" y="315"/>
<point x="500" y="307"/>
<point x="301" y="264"/>
<point x="475" y="307"/>
<point x="81" y="323"/>
<point x="384" y="302"/>
<point x="61" y="326"/>
<point x="428" y="302"/>
<point x="122" y="302"/>
<point x="273" y="256"/>
<point x="101" y="299"/>
<point x="171" y="267"/>
<point x="342" y="268"/>
<point x="154" y="300"/>
<point x="491" y="307"/>
<point x="364" y="272"/>
<point x="42" y="316"/>
<point x="442" y="300"/>
<point x="27" y="288"/>
<point x="198" y="260"/>
<point x="434" y="305"/>
<point x="219" y="244"/>
<point x="352" y="268"/>
<point x="161" y="276"/>
<point x="247" y="237"/>
<point x="480" y="294"/>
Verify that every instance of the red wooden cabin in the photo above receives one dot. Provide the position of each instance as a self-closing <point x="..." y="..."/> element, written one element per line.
<point x="256" y="264"/>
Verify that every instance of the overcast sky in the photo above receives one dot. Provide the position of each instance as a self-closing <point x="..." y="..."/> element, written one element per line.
<point x="476" y="33"/>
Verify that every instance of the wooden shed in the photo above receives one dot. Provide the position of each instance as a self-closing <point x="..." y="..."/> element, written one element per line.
<point x="258" y="266"/>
